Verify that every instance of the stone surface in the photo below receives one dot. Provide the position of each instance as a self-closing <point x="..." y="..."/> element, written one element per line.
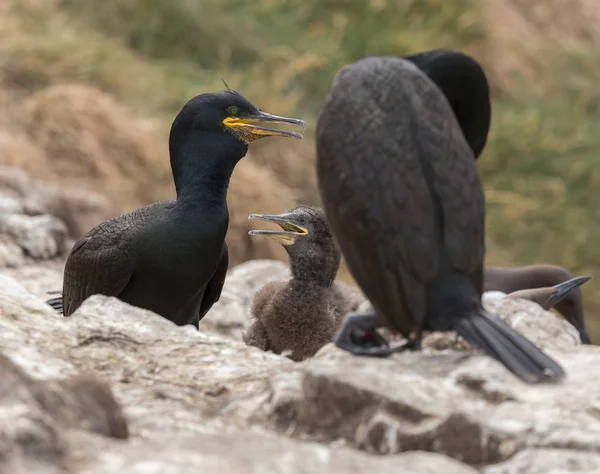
<point x="38" y="220"/>
<point x="38" y="237"/>
<point x="34" y="415"/>
<point x="231" y="314"/>
<point x="542" y="327"/>
<point x="465" y="405"/>
<point x="38" y="278"/>
<point x="258" y="452"/>
<point x="196" y="401"/>
<point x="79" y="210"/>
<point x="549" y="461"/>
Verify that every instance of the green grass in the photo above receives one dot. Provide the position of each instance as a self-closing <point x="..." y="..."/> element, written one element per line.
<point x="541" y="167"/>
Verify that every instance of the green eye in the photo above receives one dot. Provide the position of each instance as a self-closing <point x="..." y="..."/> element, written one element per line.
<point x="233" y="111"/>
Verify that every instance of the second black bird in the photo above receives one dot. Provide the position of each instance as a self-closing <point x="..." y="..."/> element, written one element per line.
<point x="401" y="191"/>
<point x="170" y="257"/>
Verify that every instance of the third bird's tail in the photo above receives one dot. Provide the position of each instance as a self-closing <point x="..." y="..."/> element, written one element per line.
<point x="517" y="353"/>
<point x="56" y="302"/>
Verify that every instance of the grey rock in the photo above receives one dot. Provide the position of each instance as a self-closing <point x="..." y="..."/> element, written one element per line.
<point x="542" y="327"/>
<point x="78" y="209"/>
<point x="259" y="452"/>
<point x="195" y="400"/>
<point x="9" y="205"/>
<point x="11" y="255"/>
<point x="230" y="315"/>
<point x="39" y="237"/>
<point x="35" y="413"/>
<point x="548" y="461"/>
<point x="464" y="405"/>
<point x="38" y="278"/>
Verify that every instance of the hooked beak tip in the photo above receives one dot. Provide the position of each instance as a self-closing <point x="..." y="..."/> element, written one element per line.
<point x="571" y="284"/>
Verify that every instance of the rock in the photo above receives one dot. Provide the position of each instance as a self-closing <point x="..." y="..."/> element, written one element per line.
<point x="38" y="278"/>
<point x="79" y="210"/>
<point x="549" y="461"/>
<point x="11" y="255"/>
<point x="260" y="453"/>
<point x="196" y="401"/>
<point x="39" y="237"/>
<point x="9" y="205"/>
<point x="466" y="406"/>
<point x="230" y="315"/>
<point x="542" y="327"/>
<point x="35" y="413"/>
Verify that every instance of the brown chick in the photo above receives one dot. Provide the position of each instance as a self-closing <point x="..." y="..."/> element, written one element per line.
<point x="303" y="314"/>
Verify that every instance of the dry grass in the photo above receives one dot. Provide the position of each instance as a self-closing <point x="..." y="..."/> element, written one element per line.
<point x="525" y="39"/>
<point x="87" y="137"/>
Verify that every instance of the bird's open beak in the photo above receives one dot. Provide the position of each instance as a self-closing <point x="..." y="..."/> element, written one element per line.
<point x="248" y="130"/>
<point x="564" y="288"/>
<point x="290" y="231"/>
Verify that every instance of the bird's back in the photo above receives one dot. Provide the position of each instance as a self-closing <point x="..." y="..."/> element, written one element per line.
<point x="399" y="185"/>
<point x="103" y="261"/>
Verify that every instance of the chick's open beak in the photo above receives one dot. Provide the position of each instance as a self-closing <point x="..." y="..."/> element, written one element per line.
<point x="248" y="128"/>
<point x="290" y="231"/>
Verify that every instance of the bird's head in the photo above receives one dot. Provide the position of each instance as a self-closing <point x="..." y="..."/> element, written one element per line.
<point x="306" y="236"/>
<point x="229" y="112"/>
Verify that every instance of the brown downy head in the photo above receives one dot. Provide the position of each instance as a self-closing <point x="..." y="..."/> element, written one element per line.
<point x="307" y="238"/>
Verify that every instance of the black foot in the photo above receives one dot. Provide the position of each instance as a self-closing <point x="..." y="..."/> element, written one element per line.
<point x="358" y="335"/>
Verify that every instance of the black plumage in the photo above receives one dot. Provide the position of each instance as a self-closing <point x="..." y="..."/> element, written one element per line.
<point x="170" y="257"/>
<point x="301" y="315"/>
<point x="454" y="73"/>
<point x="402" y="194"/>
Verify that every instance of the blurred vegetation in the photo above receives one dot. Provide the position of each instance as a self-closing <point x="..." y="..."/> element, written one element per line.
<point x="541" y="167"/>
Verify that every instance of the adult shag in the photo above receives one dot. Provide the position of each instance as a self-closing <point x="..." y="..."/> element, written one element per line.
<point x="402" y="193"/>
<point x="170" y="257"/>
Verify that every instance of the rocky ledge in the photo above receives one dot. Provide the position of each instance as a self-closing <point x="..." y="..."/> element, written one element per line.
<point x="114" y="388"/>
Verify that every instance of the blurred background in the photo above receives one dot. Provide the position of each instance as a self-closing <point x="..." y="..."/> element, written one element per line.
<point x="89" y="88"/>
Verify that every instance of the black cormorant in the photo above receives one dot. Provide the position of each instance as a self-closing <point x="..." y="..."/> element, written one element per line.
<point x="402" y="194"/>
<point x="301" y="315"/>
<point x="170" y="257"/>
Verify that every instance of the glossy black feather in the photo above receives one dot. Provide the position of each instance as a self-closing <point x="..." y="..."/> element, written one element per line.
<point x="402" y="193"/>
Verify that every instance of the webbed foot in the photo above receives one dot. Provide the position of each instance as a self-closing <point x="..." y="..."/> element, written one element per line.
<point x="358" y="335"/>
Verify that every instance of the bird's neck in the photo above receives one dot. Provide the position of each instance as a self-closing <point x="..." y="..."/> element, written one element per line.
<point x="313" y="272"/>
<point x="464" y="84"/>
<point x="202" y="166"/>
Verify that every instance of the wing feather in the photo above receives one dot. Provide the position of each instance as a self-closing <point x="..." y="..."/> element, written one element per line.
<point x="103" y="261"/>
<point x="389" y="149"/>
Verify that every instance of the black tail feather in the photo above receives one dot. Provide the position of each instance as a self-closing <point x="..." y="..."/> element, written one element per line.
<point x="517" y="353"/>
<point x="57" y="302"/>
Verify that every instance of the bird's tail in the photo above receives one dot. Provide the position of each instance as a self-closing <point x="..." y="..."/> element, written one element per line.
<point x="56" y="302"/>
<point x="513" y="350"/>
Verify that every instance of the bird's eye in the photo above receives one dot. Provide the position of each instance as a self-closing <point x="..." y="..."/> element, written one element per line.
<point x="233" y="111"/>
